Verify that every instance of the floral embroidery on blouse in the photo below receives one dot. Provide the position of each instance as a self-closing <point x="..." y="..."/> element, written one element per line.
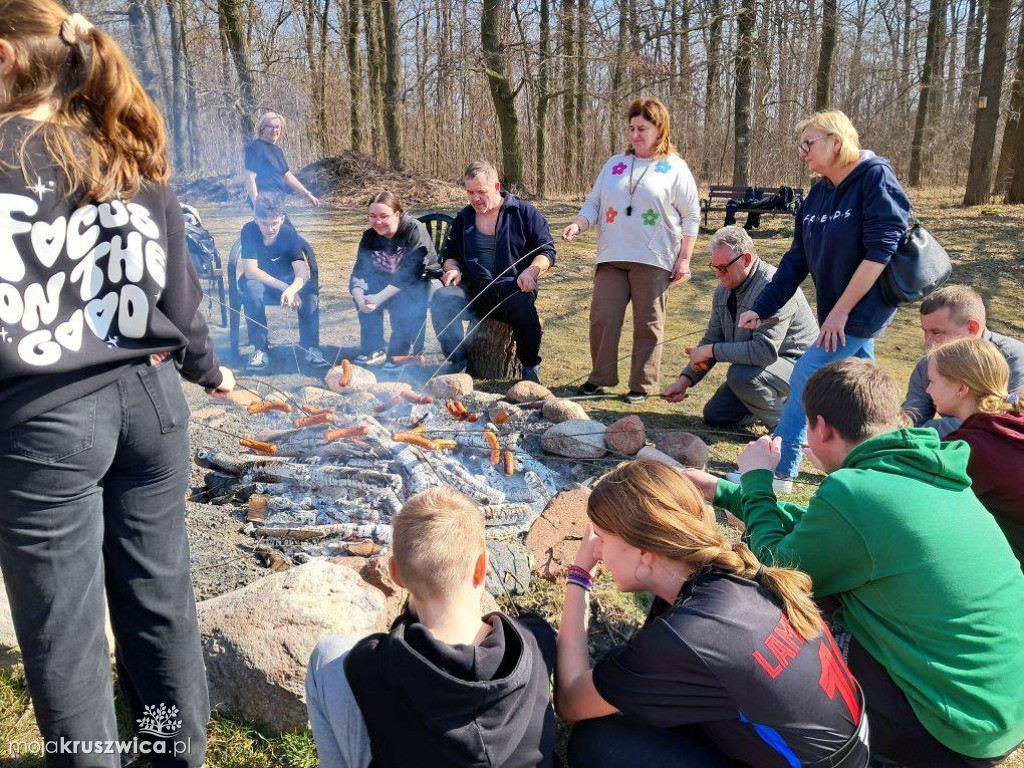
<point x="610" y="214"/>
<point x="663" y="167"/>
<point x="619" y="169"/>
<point x="650" y="217"/>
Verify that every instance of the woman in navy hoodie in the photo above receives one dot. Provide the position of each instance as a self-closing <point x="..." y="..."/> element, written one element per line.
<point x="846" y="232"/>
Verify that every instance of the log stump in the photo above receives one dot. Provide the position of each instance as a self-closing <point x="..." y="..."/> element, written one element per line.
<point x="492" y="351"/>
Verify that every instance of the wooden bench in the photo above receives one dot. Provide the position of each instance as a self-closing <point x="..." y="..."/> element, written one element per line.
<point x="727" y="192"/>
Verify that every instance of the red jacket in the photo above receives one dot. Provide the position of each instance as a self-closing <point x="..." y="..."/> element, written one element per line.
<point x="996" y="468"/>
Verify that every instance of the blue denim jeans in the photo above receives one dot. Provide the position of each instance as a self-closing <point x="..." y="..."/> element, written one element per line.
<point x="93" y="513"/>
<point x="618" y="740"/>
<point x="792" y="427"/>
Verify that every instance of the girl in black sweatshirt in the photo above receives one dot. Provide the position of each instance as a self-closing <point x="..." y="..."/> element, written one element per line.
<point x="98" y="316"/>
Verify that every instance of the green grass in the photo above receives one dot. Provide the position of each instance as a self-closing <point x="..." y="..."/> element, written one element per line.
<point x="984" y="243"/>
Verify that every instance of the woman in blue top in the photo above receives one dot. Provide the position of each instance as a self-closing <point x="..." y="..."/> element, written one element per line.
<point x="847" y="230"/>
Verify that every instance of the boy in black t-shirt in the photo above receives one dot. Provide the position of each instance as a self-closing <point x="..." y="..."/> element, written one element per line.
<point x="444" y="687"/>
<point x="276" y="269"/>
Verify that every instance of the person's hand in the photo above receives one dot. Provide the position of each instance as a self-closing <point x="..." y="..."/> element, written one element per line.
<point x="313" y="199"/>
<point x="763" y="453"/>
<point x="735" y="522"/>
<point x="290" y="298"/>
<point x="833" y="330"/>
<point x="700" y="357"/>
<point x="680" y="272"/>
<point x="588" y="554"/>
<point x="227" y="382"/>
<point x="676" y="391"/>
<point x="571" y="232"/>
<point x="749" y="320"/>
<point x="706" y="482"/>
<point x="527" y="281"/>
<point x="368" y="306"/>
<point x="451" y="277"/>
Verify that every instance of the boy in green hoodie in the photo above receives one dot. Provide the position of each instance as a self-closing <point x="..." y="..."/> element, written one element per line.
<point x="921" y="577"/>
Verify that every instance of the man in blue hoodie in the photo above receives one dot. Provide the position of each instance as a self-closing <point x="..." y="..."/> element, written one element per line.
<point x="444" y="687"/>
<point x="498" y="249"/>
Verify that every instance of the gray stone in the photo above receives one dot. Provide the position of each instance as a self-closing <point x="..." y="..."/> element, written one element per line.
<point x="528" y="394"/>
<point x="257" y="639"/>
<point x="575" y="439"/>
<point x="653" y="453"/>
<point x="626" y="435"/>
<point x="510" y="568"/>
<point x="362" y="379"/>
<point x="688" y="449"/>
<point x="451" y="386"/>
<point x="557" y="410"/>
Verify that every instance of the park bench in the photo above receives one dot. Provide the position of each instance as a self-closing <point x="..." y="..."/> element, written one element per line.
<point x="726" y="192"/>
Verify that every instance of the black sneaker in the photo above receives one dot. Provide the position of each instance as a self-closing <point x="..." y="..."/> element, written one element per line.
<point x="371" y="358"/>
<point x="589" y="389"/>
<point x="635" y="397"/>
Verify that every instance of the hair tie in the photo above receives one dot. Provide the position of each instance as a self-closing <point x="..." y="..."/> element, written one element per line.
<point x="759" y="574"/>
<point x="75" y="28"/>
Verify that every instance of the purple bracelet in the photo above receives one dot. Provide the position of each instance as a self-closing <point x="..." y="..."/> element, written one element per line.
<point x="580" y="577"/>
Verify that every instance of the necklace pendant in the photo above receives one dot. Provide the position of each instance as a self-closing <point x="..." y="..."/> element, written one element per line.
<point x="629" y="210"/>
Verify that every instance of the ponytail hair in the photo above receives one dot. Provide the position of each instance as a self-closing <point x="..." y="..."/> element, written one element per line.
<point x="980" y="366"/>
<point x="117" y="141"/>
<point x="655" y="508"/>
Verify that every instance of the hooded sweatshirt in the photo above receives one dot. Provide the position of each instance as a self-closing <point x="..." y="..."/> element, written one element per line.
<point x="924" y="577"/>
<point x="427" y="703"/>
<point x="87" y="289"/>
<point x="996" y="468"/>
<point x="837" y="228"/>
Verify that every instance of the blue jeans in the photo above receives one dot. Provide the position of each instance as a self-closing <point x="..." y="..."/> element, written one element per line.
<point x="93" y="512"/>
<point x="618" y="740"/>
<point x="792" y="427"/>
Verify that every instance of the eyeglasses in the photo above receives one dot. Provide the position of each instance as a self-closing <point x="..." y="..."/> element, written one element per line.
<point x="381" y="217"/>
<point x="725" y="267"/>
<point x="805" y="146"/>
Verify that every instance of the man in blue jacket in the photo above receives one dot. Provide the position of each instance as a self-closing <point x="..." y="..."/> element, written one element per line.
<point x="497" y="250"/>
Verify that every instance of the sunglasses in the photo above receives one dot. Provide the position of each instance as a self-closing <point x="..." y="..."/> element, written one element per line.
<point x="725" y="267"/>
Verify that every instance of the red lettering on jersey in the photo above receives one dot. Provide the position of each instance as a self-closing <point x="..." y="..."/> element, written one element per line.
<point x="835" y="675"/>
<point x="784" y="644"/>
<point x="773" y="672"/>
<point x="784" y="630"/>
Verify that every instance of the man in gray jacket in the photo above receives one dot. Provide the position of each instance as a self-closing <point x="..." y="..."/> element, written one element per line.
<point x="761" y="362"/>
<point x="952" y="312"/>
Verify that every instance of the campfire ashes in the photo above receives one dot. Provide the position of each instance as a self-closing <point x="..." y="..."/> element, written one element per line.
<point x="333" y="466"/>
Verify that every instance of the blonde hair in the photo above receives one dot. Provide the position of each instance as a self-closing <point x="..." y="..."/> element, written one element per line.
<point x="117" y="140"/>
<point x="982" y="368"/>
<point x="265" y="119"/>
<point x="656" y="113"/>
<point x="655" y="508"/>
<point x="832" y="122"/>
<point x="436" y="540"/>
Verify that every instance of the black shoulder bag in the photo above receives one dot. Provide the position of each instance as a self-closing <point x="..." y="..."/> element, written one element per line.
<point x="919" y="266"/>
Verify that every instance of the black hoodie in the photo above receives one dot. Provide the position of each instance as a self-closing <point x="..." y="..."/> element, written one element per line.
<point x="87" y="289"/>
<point x="427" y="703"/>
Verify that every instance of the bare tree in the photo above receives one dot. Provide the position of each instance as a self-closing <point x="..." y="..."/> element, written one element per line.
<point x="1011" y="134"/>
<point x="232" y="31"/>
<point x="826" y="54"/>
<point x="979" y="169"/>
<point x="392" y="83"/>
<point x="355" y="77"/>
<point x="543" y="94"/>
<point x="501" y="95"/>
<point x="741" y="119"/>
<point x="927" y="76"/>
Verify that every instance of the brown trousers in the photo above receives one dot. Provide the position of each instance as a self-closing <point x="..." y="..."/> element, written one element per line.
<point x="616" y="284"/>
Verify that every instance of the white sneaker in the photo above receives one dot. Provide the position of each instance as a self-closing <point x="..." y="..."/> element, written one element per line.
<point x="315" y="358"/>
<point x="781" y="485"/>
<point x="259" y="361"/>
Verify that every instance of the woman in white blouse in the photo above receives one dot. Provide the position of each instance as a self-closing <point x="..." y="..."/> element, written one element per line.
<point x="646" y="208"/>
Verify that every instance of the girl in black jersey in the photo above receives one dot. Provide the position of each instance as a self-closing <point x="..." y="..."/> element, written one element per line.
<point x="99" y="314"/>
<point x="733" y="666"/>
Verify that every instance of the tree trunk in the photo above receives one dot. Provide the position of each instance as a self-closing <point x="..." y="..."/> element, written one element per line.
<point x="979" y="174"/>
<point x="140" y="46"/>
<point x="711" y="92"/>
<point x="569" y="150"/>
<point x="374" y="52"/>
<point x="826" y="55"/>
<point x="233" y="30"/>
<point x="492" y="350"/>
<point x="972" y="51"/>
<point x="501" y="95"/>
<point x="321" y="83"/>
<point x="191" y="91"/>
<point x="741" y="119"/>
<point x="177" y="88"/>
<point x="579" y="138"/>
<point x="927" y="76"/>
<point x="355" y="79"/>
<point x="543" y="95"/>
<point x="1011" y="134"/>
<point x="158" y="51"/>
<point x="618" y="72"/>
<point x="392" y="84"/>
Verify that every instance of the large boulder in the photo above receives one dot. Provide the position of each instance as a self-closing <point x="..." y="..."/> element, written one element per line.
<point x="509" y="572"/>
<point x="257" y="639"/>
<point x="528" y="394"/>
<point x="452" y="386"/>
<point x="558" y="409"/>
<point x="556" y="535"/>
<point x="575" y="439"/>
<point x="361" y="380"/>
<point x="688" y="449"/>
<point x="626" y="435"/>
